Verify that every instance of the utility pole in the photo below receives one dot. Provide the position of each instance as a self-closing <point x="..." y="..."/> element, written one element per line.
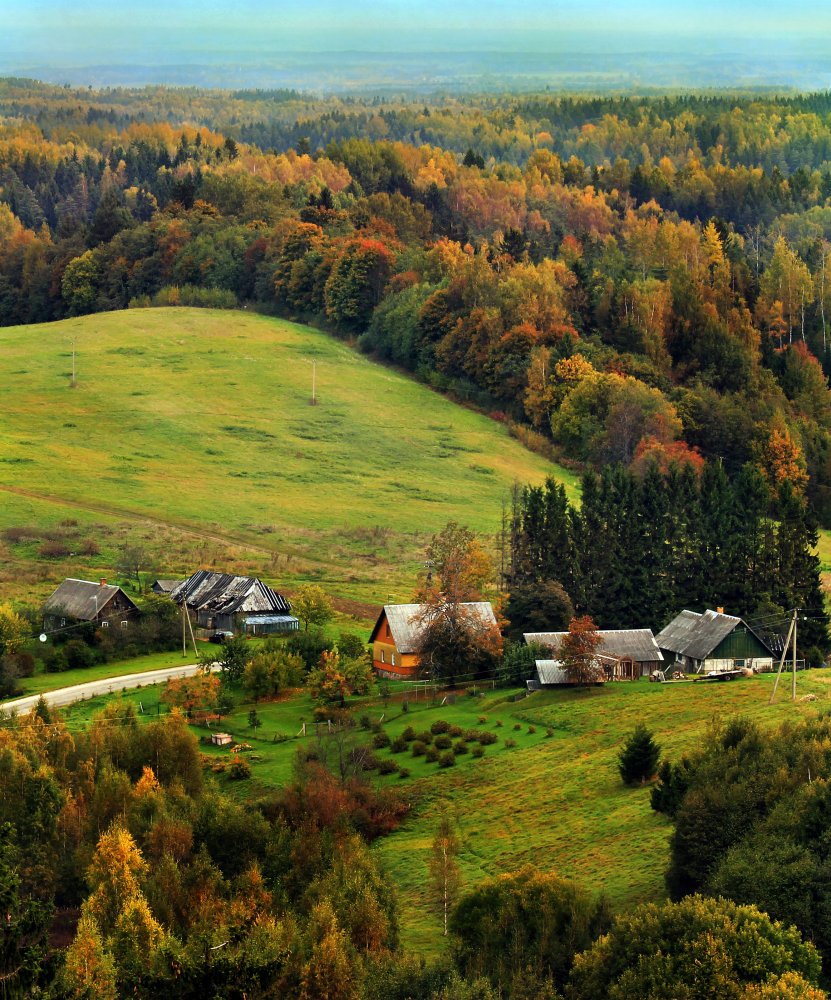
<point x="793" y="684"/>
<point x="782" y="660"/>
<point x="184" y="640"/>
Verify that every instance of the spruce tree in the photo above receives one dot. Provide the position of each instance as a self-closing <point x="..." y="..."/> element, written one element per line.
<point x="638" y="758"/>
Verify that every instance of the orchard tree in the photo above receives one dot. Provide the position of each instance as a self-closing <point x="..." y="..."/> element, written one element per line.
<point x="311" y="605"/>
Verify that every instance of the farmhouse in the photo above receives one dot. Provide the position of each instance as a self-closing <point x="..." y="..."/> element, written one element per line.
<point x="394" y="638"/>
<point x="87" y="601"/>
<point x="622" y="654"/>
<point x="230" y="603"/>
<point x="713" y="642"/>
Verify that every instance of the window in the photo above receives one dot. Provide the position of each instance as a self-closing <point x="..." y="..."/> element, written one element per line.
<point x="383" y="657"/>
<point x="392" y="658"/>
<point x="738" y="663"/>
<point x="105" y="624"/>
<point x="63" y="622"/>
<point x="124" y="624"/>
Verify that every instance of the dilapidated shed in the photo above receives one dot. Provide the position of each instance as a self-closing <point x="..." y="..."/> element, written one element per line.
<point x="231" y="603"/>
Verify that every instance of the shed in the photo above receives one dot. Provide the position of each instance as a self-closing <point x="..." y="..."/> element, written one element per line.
<point x="394" y="638"/>
<point x="165" y="587"/>
<point x="222" y="739"/>
<point x="713" y="642"/>
<point x="86" y="601"/>
<point x="635" y="647"/>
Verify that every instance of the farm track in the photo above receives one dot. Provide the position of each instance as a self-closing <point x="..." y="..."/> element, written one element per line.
<point x="344" y="605"/>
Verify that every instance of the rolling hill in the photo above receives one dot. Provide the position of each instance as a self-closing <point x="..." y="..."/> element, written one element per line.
<point x="193" y="430"/>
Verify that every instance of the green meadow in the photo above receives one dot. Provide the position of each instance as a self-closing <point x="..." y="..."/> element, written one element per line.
<point x="194" y="430"/>
<point x="554" y="799"/>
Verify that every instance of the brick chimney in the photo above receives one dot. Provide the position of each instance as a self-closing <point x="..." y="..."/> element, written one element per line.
<point x="720" y="610"/>
<point x="103" y="581"/>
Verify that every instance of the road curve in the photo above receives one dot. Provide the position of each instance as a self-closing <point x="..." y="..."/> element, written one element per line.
<point x="109" y="685"/>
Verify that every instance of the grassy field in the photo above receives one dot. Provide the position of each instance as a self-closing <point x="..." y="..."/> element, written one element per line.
<point x="554" y="799"/>
<point x="192" y="430"/>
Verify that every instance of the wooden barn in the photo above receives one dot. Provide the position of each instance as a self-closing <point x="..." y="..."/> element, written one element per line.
<point x="622" y="654"/>
<point x="240" y="604"/>
<point x="165" y="587"/>
<point x="712" y="643"/>
<point x="86" y="601"/>
<point x="394" y="638"/>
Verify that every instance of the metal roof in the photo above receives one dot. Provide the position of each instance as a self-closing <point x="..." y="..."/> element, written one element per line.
<point x="637" y="644"/>
<point x="696" y="636"/>
<point x="225" y="594"/>
<point x="269" y="619"/>
<point x="403" y="621"/>
<point x="166" y="586"/>
<point x="82" y="599"/>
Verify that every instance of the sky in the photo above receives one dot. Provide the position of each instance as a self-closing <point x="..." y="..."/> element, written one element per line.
<point x="94" y="31"/>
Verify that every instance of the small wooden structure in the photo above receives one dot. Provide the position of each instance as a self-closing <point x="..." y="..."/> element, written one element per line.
<point x="222" y="739"/>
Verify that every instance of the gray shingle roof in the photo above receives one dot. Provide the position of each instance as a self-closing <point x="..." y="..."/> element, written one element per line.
<point x="166" y="586"/>
<point x="696" y="636"/>
<point x="637" y="644"/>
<point x="225" y="594"/>
<point x="82" y="599"/>
<point x="404" y="624"/>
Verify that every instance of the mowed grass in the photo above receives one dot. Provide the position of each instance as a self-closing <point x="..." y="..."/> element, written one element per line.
<point x="199" y="419"/>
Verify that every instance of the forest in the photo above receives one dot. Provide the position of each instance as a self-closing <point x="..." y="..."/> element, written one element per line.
<point x="616" y="278"/>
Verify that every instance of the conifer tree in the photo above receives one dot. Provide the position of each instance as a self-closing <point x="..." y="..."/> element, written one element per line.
<point x="638" y="758"/>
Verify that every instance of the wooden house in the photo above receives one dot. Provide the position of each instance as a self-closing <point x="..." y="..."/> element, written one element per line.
<point x="394" y="638"/>
<point x="241" y="604"/>
<point x="622" y="654"/>
<point x="86" y="601"/>
<point x="712" y="643"/>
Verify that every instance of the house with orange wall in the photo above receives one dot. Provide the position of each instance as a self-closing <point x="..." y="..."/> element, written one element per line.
<point x="394" y="639"/>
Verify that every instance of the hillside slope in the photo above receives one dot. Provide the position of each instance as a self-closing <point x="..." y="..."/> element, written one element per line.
<point x="202" y="420"/>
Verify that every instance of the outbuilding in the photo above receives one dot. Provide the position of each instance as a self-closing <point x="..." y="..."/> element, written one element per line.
<point x="712" y="643"/>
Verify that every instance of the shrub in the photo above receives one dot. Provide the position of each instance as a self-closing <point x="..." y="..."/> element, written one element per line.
<point x="517" y="726"/>
<point x="442" y="742"/>
<point x="78" y="654"/>
<point x="549" y="732"/>
<point x="455" y="732"/>
<point x="460" y="748"/>
<point x="376" y="727"/>
<point x="380" y="740"/>
<point x="403" y="772"/>
<point x="431" y="755"/>
<point x="398" y="745"/>
<point x="20" y="534"/>
<point x="419" y="748"/>
<point x="471" y="735"/>
<point x="477" y="751"/>
<point x="483" y="719"/>
<point x="53" y="550"/>
<point x="55" y="661"/>
<point x="425" y="737"/>
<point x="409" y="734"/>
<point x="387" y="767"/>
<point x="447" y="759"/>
<point x="510" y="743"/>
<point x="439" y="726"/>
<point x="365" y="722"/>
<point x="89" y="547"/>
<point x="498" y="723"/>
<point x="532" y="729"/>
<point x="486" y="739"/>
<point x="239" y="769"/>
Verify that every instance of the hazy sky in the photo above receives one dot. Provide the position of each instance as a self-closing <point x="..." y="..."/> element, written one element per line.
<point x="93" y="31"/>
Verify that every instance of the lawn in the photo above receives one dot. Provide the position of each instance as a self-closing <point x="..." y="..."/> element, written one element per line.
<point x="193" y="429"/>
<point x="553" y="800"/>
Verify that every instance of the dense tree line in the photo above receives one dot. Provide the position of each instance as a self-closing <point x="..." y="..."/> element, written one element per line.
<point x="612" y="307"/>
<point x="643" y="547"/>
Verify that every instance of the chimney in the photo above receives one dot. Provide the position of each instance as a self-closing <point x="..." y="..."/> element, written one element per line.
<point x="103" y="581"/>
<point x="720" y="610"/>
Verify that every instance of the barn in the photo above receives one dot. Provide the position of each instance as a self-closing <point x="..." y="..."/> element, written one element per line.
<point x="622" y="654"/>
